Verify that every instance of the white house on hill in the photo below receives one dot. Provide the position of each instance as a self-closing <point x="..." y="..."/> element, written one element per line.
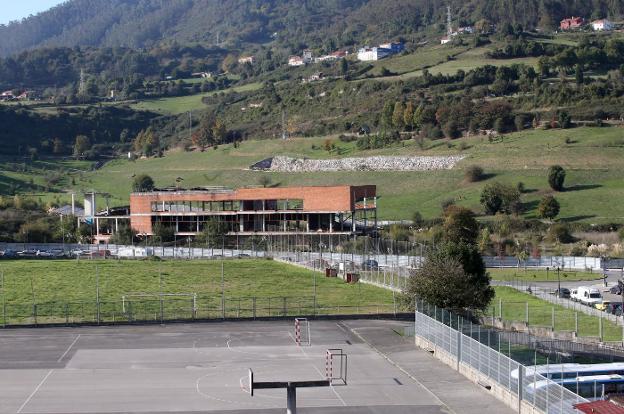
<point x="602" y="24"/>
<point x="372" y="53"/>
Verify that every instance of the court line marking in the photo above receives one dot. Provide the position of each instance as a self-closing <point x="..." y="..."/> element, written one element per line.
<point x="400" y="368"/>
<point x="331" y="386"/>
<point x="34" y="392"/>
<point x="68" y="348"/>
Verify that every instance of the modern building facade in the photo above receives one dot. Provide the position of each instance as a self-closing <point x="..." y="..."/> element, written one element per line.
<point x="257" y="211"/>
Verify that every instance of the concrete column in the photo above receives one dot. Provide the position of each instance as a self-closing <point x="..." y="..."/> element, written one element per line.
<point x="263" y="222"/>
<point x="241" y="223"/>
<point x="307" y="223"/>
<point x="331" y="222"/>
<point x="116" y="225"/>
<point x="97" y="225"/>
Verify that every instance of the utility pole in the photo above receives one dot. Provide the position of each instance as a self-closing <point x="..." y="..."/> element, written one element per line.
<point x="449" y="24"/>
<point x="284" y="136"/>
<point x="190" y="126"/>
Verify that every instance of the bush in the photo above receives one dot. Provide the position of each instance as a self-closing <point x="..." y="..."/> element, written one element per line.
<point x="559" y="233"/>
<point x="473" y="174"/>
<point x="548" y="208"/>
<point x="142" y="183"/>
<point x="497" y="197"/>
<point x="556" y="177"/>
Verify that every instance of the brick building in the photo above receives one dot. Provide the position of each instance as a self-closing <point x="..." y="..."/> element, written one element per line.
<point x="571" y="23"/>
<point x="258" y="211"/>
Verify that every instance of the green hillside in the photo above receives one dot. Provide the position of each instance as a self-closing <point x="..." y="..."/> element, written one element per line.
<point x="593" y="158"/>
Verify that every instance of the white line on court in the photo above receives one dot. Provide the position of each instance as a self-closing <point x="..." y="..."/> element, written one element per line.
<point x="68" y="348"/>
<point x="35" y="391"/>
<point x="331" y="386"/>
<point x="341" y="328"/>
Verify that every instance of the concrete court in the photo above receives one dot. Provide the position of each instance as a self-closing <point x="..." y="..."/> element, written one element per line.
<point x="192" y="368"/>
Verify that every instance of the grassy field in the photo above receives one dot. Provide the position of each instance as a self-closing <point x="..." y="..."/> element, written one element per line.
<point x="593" y="160"/>
<point x="420" y="59"/>
<point x="540" y="314"/>
<point x="51" y="284"/>
<point x="180" y="104"/>
<point x="536" y="275"/>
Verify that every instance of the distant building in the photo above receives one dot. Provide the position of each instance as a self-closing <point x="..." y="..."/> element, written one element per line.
<point x="602" y="25"/>
<point x="372" y="53"/>
<point x="295" y="61"/>
<point x="307" y="56"/>
<point x="466" y="30"/>
<point x="394" y="47"/>
<point x="444" y="40"/>
<point x="7" y="96"/>
<point x="248" y="59"/>
<point x="333" y="210"/>
<point x="571" y="23"/>
<point x="205" y="75"/>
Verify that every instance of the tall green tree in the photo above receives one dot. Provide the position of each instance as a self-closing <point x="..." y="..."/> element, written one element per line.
<point x="556" y="177"/>
<point x="452" y="276"/>
<point x="81" y="145"/>
<point x="397" y="115"/>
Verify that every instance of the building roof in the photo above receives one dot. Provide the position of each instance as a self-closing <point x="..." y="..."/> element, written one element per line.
<point x="599" y="407"/>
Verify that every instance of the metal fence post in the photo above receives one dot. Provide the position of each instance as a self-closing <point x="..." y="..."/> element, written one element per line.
<point x="67" y="313"/>
<point x="576" y="330"/>
<point x="600" y="328"/>
<point x="459" y="341"/>
<point x="253" y="303"/>
<point x="500" y="309"/>
<point x="35" y="313"/>
<point x="527" y="312"/>
<point x="552" y="318"/>
<point x="521" y="374"/>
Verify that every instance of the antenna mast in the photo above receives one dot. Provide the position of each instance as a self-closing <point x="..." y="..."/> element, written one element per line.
<point x="449" y="24"/>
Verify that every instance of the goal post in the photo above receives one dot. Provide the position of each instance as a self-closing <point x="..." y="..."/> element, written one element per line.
<point x="336" y="365"/>
<point x="302" y="332"/>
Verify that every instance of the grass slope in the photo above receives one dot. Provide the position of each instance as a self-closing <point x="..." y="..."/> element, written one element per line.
<point x="536" y="275"/>
<point x="593" y="160"/>
<point x="540" y="314"/>
<point x="63" y="281"/>
<point x="180" y="104"/>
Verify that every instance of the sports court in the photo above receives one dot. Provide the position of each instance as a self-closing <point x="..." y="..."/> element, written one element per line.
<point x="192" y="368"/>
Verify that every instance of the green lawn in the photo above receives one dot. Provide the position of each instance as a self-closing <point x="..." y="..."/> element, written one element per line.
<point x="422" y="58"/>
<point x="537" y="275"/>
<point x="57" y="282"/>
<point x="540" y="314"/>
<point x="180" y="104"/>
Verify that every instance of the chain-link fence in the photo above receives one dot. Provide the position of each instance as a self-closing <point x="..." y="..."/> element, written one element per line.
<point x="168" y="308"/>
<point x="480" y="355"/>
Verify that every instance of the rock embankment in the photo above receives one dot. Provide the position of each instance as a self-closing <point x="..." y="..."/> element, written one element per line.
<point x="378" y="163"/>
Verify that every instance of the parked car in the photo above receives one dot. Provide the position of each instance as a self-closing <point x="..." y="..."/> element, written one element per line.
<point x="602" y="306"/>
<point x="370" y="264"/>
<point x="44" y="253"/>
<point x="614" y="309"/>
<point x="27" y="253"/>
<point x="563" y="293"/>
<point x="58" y="252"/>
<point x="8" y="254"/>
<point x="587" y="295"/>
<point x="616" y="290"/>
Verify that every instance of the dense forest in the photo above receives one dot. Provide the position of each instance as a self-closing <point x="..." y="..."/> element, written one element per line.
<point x="288" y="24"/>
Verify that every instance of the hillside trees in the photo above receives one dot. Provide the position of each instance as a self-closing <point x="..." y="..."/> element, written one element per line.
<point x="142" y="183"/>
<point x="548" y="207"/>
<point x="81" y="145"/>
<point x="211" y="131"/>
<point x="147" y="142"/>
<point x="497" y="197"/>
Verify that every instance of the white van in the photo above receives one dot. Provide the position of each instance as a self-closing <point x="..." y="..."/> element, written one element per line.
<point x="586" y="295"/>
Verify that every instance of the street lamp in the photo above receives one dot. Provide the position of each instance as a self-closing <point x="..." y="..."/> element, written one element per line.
<point x="558" y="282"/>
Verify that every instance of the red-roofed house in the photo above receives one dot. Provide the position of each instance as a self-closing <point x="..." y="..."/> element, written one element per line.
<point x="599" y="407"/>
<point x="571" y="23"/>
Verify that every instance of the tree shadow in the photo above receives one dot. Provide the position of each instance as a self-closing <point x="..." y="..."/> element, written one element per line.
<point x="529" y="190"/>
<point x="576" y="218"/>
<point x="487" y="176"/>
<point x="581" y="187"/>
<point x="530" y="205"/>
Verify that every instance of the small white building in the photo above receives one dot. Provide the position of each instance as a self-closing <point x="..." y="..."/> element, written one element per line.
<point x="248" y="59"/>
<point x="295" y="61"/>
<point x="602" y="25"/>
<point x="445" y="40"/>
<point x="372" y="53"/>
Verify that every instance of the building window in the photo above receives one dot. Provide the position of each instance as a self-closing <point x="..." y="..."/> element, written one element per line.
<point x="295" y="204"/>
